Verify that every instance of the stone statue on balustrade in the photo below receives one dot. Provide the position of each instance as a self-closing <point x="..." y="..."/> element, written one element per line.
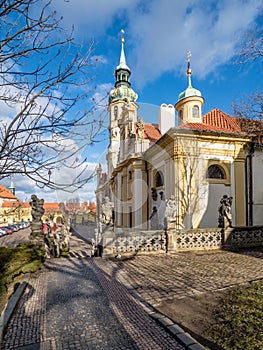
<point x="140" y="128"/>
<point x="172" y="217"/>
<point x="106" y="217"/>
<point x="170" y="211"/>
<point x="224" y="211"/>
<point x="37" y="211"/>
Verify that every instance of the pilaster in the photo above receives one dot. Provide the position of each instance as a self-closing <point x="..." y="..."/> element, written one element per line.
<point x="240" y="211"/>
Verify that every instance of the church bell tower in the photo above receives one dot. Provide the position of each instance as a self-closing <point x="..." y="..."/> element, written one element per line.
<point x="190" y="101"/>
<point x="122" y="109"/>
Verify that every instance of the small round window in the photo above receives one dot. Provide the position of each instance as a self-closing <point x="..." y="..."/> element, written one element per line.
<point x="215" y="172"/>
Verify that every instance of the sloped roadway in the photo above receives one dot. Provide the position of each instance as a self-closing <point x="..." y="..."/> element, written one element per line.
<point x="77" y="303"/>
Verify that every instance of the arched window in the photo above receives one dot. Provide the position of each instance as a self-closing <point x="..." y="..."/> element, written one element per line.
<point x="180" y="121"/>
<point x="159" y="179"/>
<point x="195" y="112"/>
<point x="215" y="172"/>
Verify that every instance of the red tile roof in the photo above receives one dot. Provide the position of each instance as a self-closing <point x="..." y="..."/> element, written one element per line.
<point x="51" y="207"/>
<point x="200" y="126"/>
<point x="81" y="207"/>
<point x="151" y="132"/>
<point x="5" y="193"/>
<point x="215" y="120"/>
<point x="10" y="204"/>
<point x="92" y="207"/>
<point x="218" y="121"/>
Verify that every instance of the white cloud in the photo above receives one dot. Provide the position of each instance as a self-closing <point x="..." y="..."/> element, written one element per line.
<point x="98" y="59"/>
<point x="160" y="32"/>
<point x="162" y="36"/>
<point x="94" y="16"/>
<point x="26" y="187"/>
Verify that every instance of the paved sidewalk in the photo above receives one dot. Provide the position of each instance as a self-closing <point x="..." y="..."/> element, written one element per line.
<point x="160" y="278"/>
<point x="92" y="303"/>
<point x="79" y="304"/>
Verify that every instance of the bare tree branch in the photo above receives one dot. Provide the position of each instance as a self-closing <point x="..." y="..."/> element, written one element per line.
<point x="249" y="109"/>
<point x="45" y="80"/>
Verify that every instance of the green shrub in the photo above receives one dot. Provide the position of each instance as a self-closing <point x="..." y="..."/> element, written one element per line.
<point x="24" y="258"/>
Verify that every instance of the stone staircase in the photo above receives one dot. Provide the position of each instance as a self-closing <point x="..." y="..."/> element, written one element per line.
<point x="80" y="254"/>
<point x="79" y="249"/>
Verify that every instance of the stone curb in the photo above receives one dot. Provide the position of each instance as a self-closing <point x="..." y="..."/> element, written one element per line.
<point x="175" y="330"/>
<point x="10" y="306"/>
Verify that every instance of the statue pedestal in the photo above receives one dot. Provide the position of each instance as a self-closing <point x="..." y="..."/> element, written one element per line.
<point x="105" y="247"/>
<point x="174" y="225"/>
<point x="37" y="235"/>
<point x="171" y="225"/>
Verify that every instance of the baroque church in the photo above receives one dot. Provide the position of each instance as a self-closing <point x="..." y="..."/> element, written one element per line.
<point x="192" y="161"/>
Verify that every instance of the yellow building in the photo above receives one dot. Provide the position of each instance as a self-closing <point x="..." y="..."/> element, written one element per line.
<point x="192" y="159"/>
<point x="13" y="210"/>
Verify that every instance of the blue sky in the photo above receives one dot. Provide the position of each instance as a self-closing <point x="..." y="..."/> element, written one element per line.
<point x="158" y="34"/>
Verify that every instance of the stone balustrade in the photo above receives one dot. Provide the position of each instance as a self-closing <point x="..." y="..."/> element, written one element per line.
<point x="242" y="237"/>
<point x="172" y="241"/>
<point x="196" y="239"/>
<point x="134" y="242"/>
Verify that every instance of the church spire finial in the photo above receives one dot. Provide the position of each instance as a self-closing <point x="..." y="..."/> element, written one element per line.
<point x="122" y="57"/>
<point x="122" y="36"/>
<point x="189" y="70"/>
<point x="122" y="79"/>
<point x="12" y="187"/>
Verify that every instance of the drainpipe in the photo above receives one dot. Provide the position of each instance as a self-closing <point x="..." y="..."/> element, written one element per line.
<point x="147" y="181"/>
<point x="249" y="186"/>
<point x="246" y="189"/>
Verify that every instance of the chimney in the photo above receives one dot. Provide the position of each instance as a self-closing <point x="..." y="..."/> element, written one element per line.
<point x="166" y="117"/>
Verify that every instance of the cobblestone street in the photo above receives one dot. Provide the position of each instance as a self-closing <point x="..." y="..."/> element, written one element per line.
<point x="169" y="277"/>
<point x="91" y="303"/>
<point x="76" y="304"/>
